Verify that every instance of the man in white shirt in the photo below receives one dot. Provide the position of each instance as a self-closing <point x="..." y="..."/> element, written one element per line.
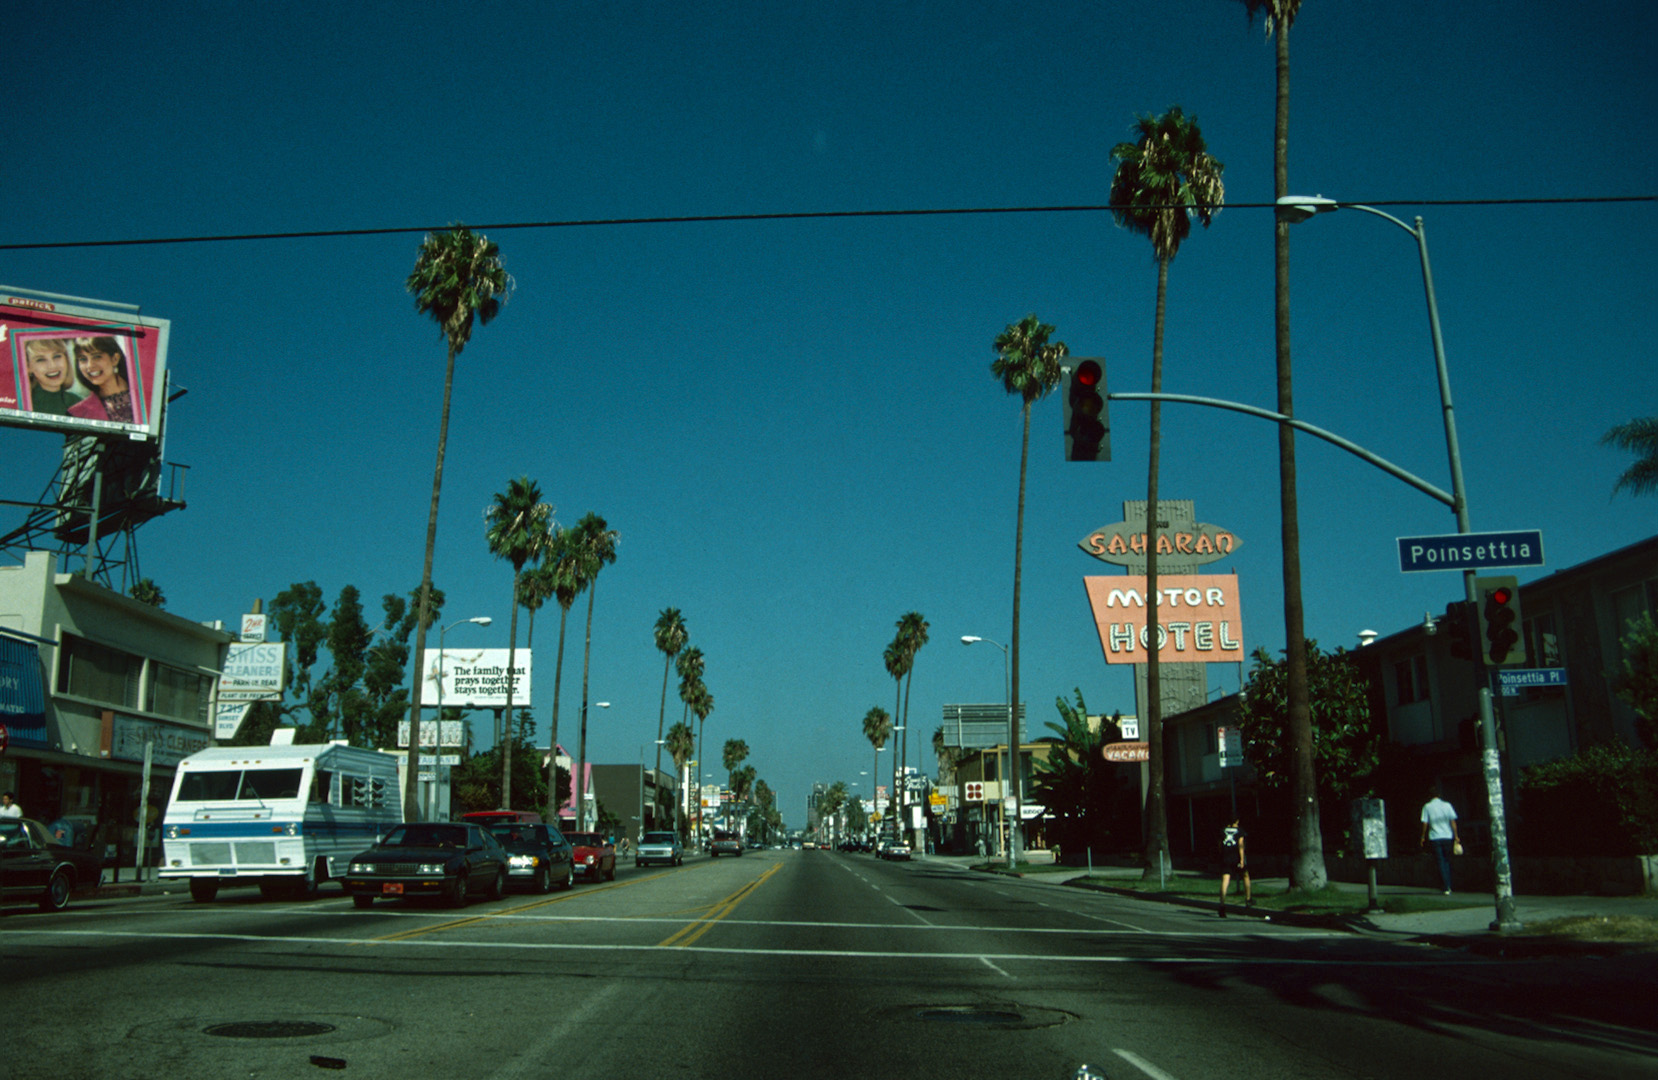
<point x="8" y="808"/>
<point x="1439" y="828"/>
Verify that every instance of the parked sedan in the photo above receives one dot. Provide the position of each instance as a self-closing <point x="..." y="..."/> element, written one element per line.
<point x="430" y="859"/>
<point x="662" y="847"/>
<point x="538" y="855"/>
<point x="595" y="855"/>
<point x="33" y="867"/>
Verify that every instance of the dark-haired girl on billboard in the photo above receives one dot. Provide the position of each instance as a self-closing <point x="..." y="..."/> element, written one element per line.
<point x="101" y="367"/>
<point x="51" y="375"/>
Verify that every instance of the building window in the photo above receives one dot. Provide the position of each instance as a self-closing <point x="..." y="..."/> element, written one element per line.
<point x="99" y="673"/>
<point x="180" y="694"/>
<point x="1410" y="679"/>
<point x="1542" y="642"/>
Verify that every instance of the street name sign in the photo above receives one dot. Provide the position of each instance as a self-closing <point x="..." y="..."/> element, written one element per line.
<point x="1470" y="551"/>
<point x="1516" y="679"/>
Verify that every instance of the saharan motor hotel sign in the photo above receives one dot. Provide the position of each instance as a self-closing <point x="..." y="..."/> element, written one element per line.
<point x="1199" y="620"/>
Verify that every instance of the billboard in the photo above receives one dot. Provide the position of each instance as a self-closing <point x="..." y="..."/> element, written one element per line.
<point x="70" y="365"/>
<point x="475" y="678"/>
<point x="1198" y="618"/>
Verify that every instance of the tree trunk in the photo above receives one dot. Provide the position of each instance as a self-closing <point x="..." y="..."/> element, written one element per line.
<point x="1012" y="779"/>
<point x="506" y="728"/>
<point x="553" y="805"/>
<point x="1157" y="820"/>
<point x="661" y="717"/>
<point x="411" y="791"/>
<point x="581" y="767"/>
<point x="1307" y="869"/>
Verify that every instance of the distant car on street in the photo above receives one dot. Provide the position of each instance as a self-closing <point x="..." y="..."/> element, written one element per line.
<point x="595" y="855"/>
<point x="896" y="850"/>
<point x="447" y="859"/>
<point x="725" y="843"/>
<point x="659" y="847"/>
<point x="538" y="855"/>
<point x="34" y="867"/>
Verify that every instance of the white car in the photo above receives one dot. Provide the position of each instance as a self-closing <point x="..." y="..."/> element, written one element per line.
<point x="659" y="847"/>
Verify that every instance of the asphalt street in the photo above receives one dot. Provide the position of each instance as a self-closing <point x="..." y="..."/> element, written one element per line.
<point x="787" y="964"/>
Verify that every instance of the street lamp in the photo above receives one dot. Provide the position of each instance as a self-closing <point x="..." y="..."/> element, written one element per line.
<point x="1298" y="208"/>
<point x="1012" y="773"/>
<point x="575" y="783"/>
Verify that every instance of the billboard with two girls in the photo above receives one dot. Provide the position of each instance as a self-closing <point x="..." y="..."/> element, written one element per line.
<point x="70" y="365"/>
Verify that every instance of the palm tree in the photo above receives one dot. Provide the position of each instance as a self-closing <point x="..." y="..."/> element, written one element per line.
<point x="701" y="703"/>
<point x="516" y="529"/>
<point x="1162" y="180"/>
<point x="1640" y="437"/>
<point x="670" y="636"/>
<point x="1028" y="365"/>
<point x="897" y="663"/>
<point x="681" y="745"/>
<point x="562" y="562"/>
<point x="596" y="546"/>
<point x="734" y="754"/>
<point x="877" y="729"/>
<point x="458" y="280"/>
<point x="1307" y="869"/>
<point x="912" y="635"/>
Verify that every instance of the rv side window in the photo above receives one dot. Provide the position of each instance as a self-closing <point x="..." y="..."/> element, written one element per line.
<point x="209" y="786"/>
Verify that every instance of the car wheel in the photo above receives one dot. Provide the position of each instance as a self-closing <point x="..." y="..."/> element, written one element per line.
<point x="570" y="875"/>
<point x="362" y="900"/>
<point x="454" y="891"/>
<point x="543" y="880"/>
<point x="498" y="888"/>
<point x="56" y="896"/>
<point x="203" y="890"/>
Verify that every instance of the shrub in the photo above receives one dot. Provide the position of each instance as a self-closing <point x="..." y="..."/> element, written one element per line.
<point x="1603" y="801"/>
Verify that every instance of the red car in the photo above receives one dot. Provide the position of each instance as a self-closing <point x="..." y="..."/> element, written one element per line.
<point x="595" y="855"/>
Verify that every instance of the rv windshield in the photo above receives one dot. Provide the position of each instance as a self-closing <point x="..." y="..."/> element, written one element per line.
<point x="229" y="784"/>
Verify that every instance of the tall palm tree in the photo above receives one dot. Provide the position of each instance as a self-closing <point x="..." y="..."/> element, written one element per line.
<point x="681" y="745"/>
<point x="1028" y="365"/>
<point x="1163" y="179"/>
<point x="912" y="635"/>
<point x="516" y="527"/>
<point x="1640" y="437"/>
<point x="458" y="280"/>
<point x="897" y="663"/>
<point x="597" y="546"/>
<point x="701" y="703"/>
<point x="670" y="636"/>
<point x="562" y="561"/>
<point x="1307" y="869"/>
<point x="877" y="729"/>
<point x="734" y="754"/>
<point x="690" y="667"/>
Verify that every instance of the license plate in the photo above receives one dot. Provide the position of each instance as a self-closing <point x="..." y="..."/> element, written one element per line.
<point x="392" y="888"/>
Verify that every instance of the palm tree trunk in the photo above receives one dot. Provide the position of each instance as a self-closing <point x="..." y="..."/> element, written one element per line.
<point x="1157" y="821"/>
<point x="553" y="805"/>
<point x="661" y="716"/>
<point x="1012" y="778"/>
<point x="696" y="781"/>
<point x="1307" y="841"/>
<point x="411" y="790"/>
<point x="586" y="654"/>
<point x="506" y="728"/>
<point x="897" y="718"/>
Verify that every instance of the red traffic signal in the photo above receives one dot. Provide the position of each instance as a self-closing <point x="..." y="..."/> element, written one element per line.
<point x="1499" y="613"/>
<point x="1087" y="428"/>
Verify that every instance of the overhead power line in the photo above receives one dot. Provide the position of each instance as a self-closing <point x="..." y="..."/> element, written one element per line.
<point x="803" y="215"/>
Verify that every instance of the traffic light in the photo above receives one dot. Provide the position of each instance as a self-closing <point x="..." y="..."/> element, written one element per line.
<point x="1459" y="626"/>
<point x="1087" y="424"/>
<point x="1499" y="610"/>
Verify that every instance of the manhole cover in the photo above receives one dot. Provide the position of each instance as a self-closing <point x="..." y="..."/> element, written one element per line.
<point x="970" y="1015"/>
<point x="268" y="1029"/>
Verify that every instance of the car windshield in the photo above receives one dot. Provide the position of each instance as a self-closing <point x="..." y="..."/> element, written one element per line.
<point x="513" y="833"/>
<point x="426" y="835"/>
<point x="657" y="838"/>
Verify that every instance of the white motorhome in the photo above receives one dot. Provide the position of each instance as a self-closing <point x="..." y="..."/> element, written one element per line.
<point x="282" y="817"/>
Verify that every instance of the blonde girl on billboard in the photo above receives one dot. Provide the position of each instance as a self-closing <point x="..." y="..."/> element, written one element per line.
<point x="51" y="375"/>
<point x="101" y="367"/>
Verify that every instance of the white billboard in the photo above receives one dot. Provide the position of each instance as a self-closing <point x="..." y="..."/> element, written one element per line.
<point x="476" y="679"/>
<point x="254" y="671"/>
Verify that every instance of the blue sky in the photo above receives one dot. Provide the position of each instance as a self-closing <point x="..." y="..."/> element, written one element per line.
<point x="792" y="423"/>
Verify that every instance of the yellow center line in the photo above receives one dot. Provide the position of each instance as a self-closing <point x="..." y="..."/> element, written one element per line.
<point x="404" y="935"/>
<point x="689" y="934"/>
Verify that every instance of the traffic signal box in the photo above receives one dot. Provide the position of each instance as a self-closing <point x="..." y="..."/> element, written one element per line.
<point x="1459" y="623"/>
<point x="1499" y="616"/>
<point x="1087" y="424"/>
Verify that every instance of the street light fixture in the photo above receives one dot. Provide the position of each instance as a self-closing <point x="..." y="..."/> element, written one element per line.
<point x="1014" y="838"/>
<point x="1298" y="208"/>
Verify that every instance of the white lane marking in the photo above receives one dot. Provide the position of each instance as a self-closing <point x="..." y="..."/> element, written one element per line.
<point x="917" y="914"/>
<point x="1143" y="1065"/>
<point x="986" y="961"/>
<point x="557" y="1034"/>
<point x="1120" y="922"/>
<point x="15" y="935"/>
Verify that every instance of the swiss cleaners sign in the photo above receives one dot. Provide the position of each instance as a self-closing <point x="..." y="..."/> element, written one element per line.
<point x="1197" y="614"/>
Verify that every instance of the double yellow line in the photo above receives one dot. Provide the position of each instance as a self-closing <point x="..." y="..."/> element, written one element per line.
<point x="486" y="916"/>
<point x="687" y="936"/>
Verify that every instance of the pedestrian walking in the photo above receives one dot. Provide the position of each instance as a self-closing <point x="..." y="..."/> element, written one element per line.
<point x="1234" y="861"/>
<point x="1439" y="829"/>
<point x="8" y="808"/>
